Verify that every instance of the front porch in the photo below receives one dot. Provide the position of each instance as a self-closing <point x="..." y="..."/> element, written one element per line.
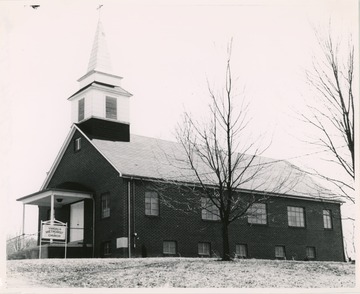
<point x="76" y="209"/>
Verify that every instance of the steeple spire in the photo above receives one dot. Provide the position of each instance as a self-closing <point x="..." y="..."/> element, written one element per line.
<point x="99" y="57"/>
<point x="101" y="106"/>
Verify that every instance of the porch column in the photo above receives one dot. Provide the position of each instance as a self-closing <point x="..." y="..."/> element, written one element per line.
<point x="52" y="212"/>
<point x="23" y="228"/>
<point x="23" y="220"/>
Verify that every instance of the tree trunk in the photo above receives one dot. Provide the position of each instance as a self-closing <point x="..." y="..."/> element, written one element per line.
<point x="225" y="236"/>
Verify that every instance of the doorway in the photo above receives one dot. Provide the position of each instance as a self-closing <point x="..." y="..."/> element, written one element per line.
<point x="77" y="221"/>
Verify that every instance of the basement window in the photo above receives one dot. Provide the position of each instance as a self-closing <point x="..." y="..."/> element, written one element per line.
<point x="169" y="247"/>
<point x="241" y="251"/>
<point x="310" y="253"/>
<point x="280" y="252"/>
<point x="204" y="249"/>
<point x="106" y="249"/>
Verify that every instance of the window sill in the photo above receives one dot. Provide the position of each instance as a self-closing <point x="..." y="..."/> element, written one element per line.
<point x="203" y="255"/>
<point x="260" y="225"/>
<point x="152" y="216"/>
<point x="212" y="220"/>
<point x="297" y="228"/>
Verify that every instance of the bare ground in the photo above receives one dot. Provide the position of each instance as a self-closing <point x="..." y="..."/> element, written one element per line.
<point x="179" y="273"/>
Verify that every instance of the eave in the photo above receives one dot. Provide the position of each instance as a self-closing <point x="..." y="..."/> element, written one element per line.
<point x="240" y="190"/>
<point x="61" y="197"/>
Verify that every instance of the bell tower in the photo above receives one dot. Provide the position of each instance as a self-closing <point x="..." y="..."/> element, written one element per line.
<point x="101" y="106"/>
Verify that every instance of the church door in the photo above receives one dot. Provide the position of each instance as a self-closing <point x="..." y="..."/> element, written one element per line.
<point x="77" y="221"/>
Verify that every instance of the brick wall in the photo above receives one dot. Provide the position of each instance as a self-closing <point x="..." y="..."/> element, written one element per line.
<point x="189" y="229"/>
<point x="88" y="168"/>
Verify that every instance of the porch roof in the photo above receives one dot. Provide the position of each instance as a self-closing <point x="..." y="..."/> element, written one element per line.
<point x="61" y="197"/>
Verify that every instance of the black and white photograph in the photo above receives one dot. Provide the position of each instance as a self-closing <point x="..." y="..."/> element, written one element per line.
<point x="164" y="146"/>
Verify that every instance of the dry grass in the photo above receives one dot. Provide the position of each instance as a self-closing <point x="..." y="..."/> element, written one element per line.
<point x="181" y="273"/>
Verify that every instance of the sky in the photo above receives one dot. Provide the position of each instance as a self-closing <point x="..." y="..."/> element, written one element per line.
<point x="168" y="52"/>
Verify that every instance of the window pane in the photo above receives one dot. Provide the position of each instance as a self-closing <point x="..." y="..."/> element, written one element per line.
<point x="105" y="205"/>
<point x="279" y="251"/>
<point x="327" y="219"/>
<point x="310" y="252"/>
<point x="81" y="109"/>
<point x="111" y="108"/>
<point x="77" y="144"/>
<point x="296" y="216"/>
<point x="241" y="250"/>
<point x="169" y="247"/>
<point x="209" y="210"/>
<point x="204" y="248"/>
<point x="151" y="203"/>
<point x="257" y="214"/>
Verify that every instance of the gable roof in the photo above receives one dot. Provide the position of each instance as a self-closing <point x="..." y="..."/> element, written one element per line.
<point x="156" y="159"/>
<point x="151" y="158"/>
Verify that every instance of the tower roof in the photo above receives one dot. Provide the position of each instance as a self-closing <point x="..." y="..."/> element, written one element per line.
<point x="100" y="58"/>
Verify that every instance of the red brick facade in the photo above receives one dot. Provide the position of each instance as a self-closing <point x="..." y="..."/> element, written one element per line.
<point x="88" y="168"/>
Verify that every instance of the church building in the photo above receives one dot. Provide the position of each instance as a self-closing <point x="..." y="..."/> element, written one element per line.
<point x="102" y="185"/>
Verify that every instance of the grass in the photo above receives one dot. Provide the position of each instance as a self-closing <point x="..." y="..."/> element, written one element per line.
<point x="182" y="273"/>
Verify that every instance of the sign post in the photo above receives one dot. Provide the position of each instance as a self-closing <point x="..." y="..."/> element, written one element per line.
<point x="53" y="231"/>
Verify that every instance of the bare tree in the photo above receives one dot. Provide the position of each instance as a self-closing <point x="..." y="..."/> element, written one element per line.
<point x="332" y="109"/>
<point x="216" y="155"/>
<point x="19" y="243"/>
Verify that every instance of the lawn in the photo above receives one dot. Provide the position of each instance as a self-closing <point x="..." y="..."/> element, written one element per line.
<point x="180" y="273"/>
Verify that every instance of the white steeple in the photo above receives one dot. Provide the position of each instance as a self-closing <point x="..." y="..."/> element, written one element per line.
<point x="101" y="95"/>
<point x="100" y="58"/>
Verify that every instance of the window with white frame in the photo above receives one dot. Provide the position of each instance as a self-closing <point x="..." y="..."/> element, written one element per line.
<point x="151" y="203"/>
<point x="280" y="251"/>
<point x="105" y="205"/>
<point x="111" y="108"/>
<point x="256" y="214"/>
<point x="204" y="248"/>
<point x="327" y="219"/>
<point x="296" y="217"/>
<point x="81" y="109"/>
<point x="77" y="144"/>
<point x="209" y="211"/>
<point x="241" y="250"/>
<point x="169" y="247"/>
<point x="310" y="252"/>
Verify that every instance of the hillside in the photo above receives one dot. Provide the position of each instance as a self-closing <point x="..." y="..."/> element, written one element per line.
<point x="179" y="273"/>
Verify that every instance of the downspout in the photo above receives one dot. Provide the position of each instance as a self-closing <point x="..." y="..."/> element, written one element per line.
<point x="93" y="230"/>
<point x="133" y="212"/>
<point x="129" y="218"/>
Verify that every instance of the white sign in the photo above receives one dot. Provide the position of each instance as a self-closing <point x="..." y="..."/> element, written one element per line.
<point x="122" y="242"/>
<point x="53" y="232"/>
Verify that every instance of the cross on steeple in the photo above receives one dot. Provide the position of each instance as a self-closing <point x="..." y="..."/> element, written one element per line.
<point x="99" y="8"/>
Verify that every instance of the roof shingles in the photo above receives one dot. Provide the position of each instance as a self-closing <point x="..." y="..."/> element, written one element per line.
<point x="152" y="158"/>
